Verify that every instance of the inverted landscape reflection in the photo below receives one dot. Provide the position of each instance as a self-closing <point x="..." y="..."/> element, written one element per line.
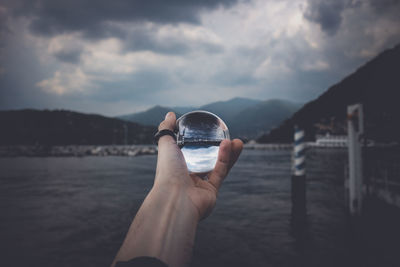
<point x="199" y="136"/>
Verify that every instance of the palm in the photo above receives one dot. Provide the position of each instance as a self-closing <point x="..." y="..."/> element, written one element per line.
<point x="203" y="195"/>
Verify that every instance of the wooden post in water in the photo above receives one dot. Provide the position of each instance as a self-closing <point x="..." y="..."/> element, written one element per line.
<point x="299" y="179"/>
<point x="355" y="127"/>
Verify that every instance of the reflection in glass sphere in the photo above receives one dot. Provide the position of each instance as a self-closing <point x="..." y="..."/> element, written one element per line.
<point x="199" y="136"/>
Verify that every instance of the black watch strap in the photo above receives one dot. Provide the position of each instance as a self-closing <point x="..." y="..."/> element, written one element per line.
<point x="161" y="133"/>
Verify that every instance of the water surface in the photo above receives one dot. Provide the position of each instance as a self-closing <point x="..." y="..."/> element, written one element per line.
<point x="76" y="211"/>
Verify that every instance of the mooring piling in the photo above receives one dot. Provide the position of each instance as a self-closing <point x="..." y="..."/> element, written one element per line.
<point x="355" y="126"/>
<point x="299" y="178"/>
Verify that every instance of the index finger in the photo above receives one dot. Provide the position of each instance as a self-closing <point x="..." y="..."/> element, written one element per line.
<point x="167" y="124"/>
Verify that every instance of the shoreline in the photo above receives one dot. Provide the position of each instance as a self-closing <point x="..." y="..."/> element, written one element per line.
<point x="112" y="150"/>
<point x="77" y="150"/>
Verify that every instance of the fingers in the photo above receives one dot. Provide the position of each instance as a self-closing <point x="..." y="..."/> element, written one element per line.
<point x="229" y="152"/>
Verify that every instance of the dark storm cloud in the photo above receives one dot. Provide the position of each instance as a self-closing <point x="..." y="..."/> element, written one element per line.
<point x="326" y="13"/>
<point x="329" y="13"/>
<point x="141" y="39"/>
<point x="385" y="6"/>
<point x="68" y="56"/>
<point x="59" y="16"/>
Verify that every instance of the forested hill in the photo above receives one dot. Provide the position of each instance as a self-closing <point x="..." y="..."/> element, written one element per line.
<point x="59" y="127"/>
<point x="376" y="85"/>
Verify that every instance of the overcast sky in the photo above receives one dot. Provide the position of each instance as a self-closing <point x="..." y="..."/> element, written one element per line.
<point x="122" y="56"/>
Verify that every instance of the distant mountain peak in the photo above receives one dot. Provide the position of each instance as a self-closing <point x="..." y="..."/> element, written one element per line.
<point x="158" y="107"/>
<point x="245" y="117"/>
<point x="238" y="98"/>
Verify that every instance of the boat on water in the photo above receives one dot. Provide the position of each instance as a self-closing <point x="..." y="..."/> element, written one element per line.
<point x="329" y="140"/>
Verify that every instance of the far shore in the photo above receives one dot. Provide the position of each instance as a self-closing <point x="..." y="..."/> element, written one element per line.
<point x="101" y="150"/>
<point x="77" y="150"/>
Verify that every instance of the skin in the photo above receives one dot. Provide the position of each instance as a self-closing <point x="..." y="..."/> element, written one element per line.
<point x="166" y="223"/>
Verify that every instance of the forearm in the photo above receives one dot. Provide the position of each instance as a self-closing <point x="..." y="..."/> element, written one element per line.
<point x="164" y="228"/>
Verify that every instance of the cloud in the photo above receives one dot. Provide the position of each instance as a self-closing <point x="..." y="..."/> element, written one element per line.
<point x="65" y="82"/>
<point x="121" y="56"/>
<point x="143" y="57"/>
<point x="167" y="39"/>
<point x="52" y="17"/>
<point x="69" y="56"/>
<point x="387" y="7"/>
<point x="105" y="64"/>
<point x="67" y="48"/>
<point x="318" y="65"/>
<point x="328" y="14"/>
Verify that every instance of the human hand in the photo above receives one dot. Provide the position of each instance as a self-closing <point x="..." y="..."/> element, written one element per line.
<point x="172" y="173"/>
<point x="165" y="225"/>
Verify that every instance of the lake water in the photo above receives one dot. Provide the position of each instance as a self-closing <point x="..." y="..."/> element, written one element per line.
<point x="76" y="211"/>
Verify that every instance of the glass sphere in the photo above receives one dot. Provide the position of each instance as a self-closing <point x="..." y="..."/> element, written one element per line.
<point x="199" y="136"/>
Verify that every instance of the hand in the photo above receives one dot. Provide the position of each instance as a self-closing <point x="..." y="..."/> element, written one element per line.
<point x="172" y="172"/>
<point x="165" y="225"/>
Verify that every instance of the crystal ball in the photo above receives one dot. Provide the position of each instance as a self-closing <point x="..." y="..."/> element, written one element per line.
<point x="199" y="134"/>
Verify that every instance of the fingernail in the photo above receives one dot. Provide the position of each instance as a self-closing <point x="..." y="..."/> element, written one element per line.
<point x="167" y="115"/>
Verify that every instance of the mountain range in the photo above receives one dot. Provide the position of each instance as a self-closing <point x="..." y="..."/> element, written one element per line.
<point x="246" y="118"/>
<point x="60" y="127"/>
<point x="376" y="85"/>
